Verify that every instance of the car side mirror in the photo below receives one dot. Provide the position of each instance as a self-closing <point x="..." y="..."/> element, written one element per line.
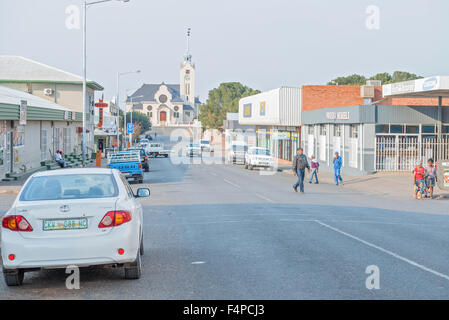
<point x="143" y="193"/>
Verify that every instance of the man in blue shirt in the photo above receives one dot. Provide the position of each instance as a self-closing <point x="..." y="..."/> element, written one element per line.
<point x="337" y="168"/>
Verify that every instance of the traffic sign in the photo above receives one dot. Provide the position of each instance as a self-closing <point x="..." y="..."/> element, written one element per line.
<point x="130" y="128"/>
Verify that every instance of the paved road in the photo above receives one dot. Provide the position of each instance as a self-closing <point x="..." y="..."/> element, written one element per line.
<point x="222" y="232"/>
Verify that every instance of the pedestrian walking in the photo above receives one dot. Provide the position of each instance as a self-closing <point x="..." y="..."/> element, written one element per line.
<point x="300" y="164"/>
<point x="431" y="176"/>
<point x="338" y="161"/>
<point x="419" y="175"/>
<point x="314" y="164"/>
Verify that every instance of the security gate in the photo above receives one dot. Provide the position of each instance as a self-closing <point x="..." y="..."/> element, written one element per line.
<point x="400" y="153"/>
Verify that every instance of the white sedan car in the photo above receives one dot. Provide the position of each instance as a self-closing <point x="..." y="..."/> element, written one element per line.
<point x="258" y="157"/>
<point x="73" y="217"/>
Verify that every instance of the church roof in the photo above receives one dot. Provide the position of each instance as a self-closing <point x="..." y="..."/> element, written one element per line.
<point x="147" y="92"/>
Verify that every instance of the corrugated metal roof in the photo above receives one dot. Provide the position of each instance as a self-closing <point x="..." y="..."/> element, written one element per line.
<point x="21" y="69"/>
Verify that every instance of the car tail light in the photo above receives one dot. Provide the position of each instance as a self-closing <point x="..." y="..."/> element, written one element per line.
<point x="115" y="218"/>
<point x="146" y="158"/>
<point x="16" y="223"/>
<point x="11" y="257"/>
<point x="140" y="166"/>
<point x="121" y="252"/>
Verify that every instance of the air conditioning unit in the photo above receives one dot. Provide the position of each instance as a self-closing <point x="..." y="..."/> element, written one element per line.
<point x="367" y="91"/>
<point x="48" y="91"/>
<point x="376" y="83"/>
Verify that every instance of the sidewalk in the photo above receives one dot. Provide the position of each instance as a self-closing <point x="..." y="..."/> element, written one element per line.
<point x="392" y="184"/>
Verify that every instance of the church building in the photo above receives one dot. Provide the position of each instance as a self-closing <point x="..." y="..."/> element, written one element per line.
<point x="168" y="104"/>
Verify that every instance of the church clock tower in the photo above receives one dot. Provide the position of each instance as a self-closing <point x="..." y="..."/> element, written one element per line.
<point x="187" y="75"/>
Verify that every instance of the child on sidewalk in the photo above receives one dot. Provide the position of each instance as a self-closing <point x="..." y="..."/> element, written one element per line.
<point x="314" y="164"/>
<point x="419" y="174"/>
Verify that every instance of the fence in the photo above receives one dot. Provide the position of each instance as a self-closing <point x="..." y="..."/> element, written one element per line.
<point x="400" y="153"/>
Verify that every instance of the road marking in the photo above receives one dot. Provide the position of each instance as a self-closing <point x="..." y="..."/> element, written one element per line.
<point x="369" y="244"/>
<point x="264" y="198"/>
<point x="231" y="183"/>
<point x="198" y="262"/>
<point x="214" y="174"/>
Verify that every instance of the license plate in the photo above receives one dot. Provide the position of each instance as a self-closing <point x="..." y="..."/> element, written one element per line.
<point x="126" y="173"/>
<point x="67" y="224"/>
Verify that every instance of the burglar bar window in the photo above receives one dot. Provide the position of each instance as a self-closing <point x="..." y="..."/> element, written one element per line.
<point x="354" y="131"/>
<point x="337" y="130"/>
<point x="323" y="130"/>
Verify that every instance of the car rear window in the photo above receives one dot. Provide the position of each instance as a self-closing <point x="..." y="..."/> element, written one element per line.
<point x="71" y="186"/>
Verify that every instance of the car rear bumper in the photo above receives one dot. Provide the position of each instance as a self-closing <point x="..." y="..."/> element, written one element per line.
<point x="49" y="253"/>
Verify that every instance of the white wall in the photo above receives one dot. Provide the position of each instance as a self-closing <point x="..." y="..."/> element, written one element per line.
<point x="282" y="108"/>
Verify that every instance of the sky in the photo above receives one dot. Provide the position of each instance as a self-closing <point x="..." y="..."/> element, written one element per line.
<point x="264" y="44"/>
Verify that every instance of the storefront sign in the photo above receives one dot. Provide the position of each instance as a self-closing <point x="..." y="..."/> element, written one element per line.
<point x="281" y="135"/>
<point x="403" y="87"/>
<point x="337" y="115"/>
<point x="23" y="113"/>
<point x="247" y="110"/>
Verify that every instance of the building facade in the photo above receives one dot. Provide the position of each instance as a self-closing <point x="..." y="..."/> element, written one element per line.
<point x="276" y="115"/>
<point x="52" y="84"/>
<point x="168" y="104"/>
<point x="32" y="129"/>
<point x="372" y="132"/>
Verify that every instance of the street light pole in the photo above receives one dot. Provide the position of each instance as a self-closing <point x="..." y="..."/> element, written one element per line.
<point x="131" y="120"/>
<point x="85" y="109"/>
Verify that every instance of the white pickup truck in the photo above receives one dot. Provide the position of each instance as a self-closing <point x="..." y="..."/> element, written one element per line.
<point x="155" y="149"/>
<point x="258" y="157"/>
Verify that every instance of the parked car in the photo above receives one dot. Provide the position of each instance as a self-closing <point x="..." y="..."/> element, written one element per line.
<point x="236" y="154"/>
<point x="156" y="149"/>
<point x="193" y="149"/>
<point x="258" y="157"/>
<point x="143" y="158"/>
<point x="205" y="146"/>
<point x="128" y="163"/>
<point x="82" y="217"/>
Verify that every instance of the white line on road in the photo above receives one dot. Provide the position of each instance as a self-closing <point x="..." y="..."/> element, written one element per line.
<point x="413" y="263"/>
<point x="264" y="198"/>
<point x="231" y="183"/>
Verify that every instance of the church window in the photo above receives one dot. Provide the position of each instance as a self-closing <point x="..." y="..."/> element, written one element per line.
<point x="163" y="98"/>
<point x="149" y="108"/>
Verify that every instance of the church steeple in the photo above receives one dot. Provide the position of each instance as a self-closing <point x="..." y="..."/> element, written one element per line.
<point x="187" y="75"/>
<point x="188" y="56"/>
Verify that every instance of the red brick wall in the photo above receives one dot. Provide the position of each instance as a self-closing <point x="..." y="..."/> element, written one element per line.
<point x="318" y="97"/>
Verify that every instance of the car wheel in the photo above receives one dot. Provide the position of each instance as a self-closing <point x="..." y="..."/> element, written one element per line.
<point x="251" y="167"/>
<point x="166" y="155"/>
<point x="147" y="169"/>
<point x="13" y="278"/>
<point x="133" y="271"/>
<point x="246" y="165"/>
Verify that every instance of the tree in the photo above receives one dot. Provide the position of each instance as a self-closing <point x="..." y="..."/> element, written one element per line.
<point x="385" y="77"/>
<point x="138" y="119"/>
<point x="222" y="100"/>
<point x="354" y="79"/>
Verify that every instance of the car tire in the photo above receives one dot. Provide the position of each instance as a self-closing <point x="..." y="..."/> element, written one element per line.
<point x="147" y="169"/>
<point x="13" y="278"/>
<point x="166" y="155"/>
<point x="251" y="167"/>
<point x="246" y="165"/>
<point x="133" y="271"/>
